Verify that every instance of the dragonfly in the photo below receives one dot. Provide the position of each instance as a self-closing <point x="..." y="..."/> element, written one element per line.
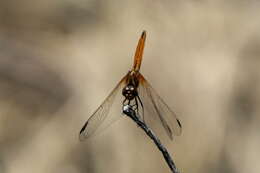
<point x="137" y="92"/>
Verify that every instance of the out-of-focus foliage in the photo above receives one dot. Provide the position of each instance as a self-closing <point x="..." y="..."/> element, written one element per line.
<point x="60" y="59"/>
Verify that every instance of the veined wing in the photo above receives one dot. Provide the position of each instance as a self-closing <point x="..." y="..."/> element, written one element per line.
<point x="99" y="117"/>
<point x="154" y="104"/>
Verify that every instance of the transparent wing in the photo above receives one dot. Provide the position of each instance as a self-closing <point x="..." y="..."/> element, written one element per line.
<point x="154" y="105"/>
<point x="99" y="117"/>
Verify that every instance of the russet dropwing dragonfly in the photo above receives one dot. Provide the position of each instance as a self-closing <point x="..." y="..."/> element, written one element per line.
<point x="138" y="93"/>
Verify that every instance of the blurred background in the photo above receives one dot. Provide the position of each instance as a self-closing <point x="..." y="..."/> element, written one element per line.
<point x="60" y="59"/>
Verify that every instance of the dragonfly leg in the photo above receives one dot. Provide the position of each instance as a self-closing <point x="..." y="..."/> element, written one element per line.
<point x="142" y="107"/>
<point x="136" y="105"/>
<point x="124" y="102"/>
<point x="137" y="101"/>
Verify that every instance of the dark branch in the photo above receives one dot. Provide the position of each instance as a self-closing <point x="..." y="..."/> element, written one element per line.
<point x="127" y="109"/>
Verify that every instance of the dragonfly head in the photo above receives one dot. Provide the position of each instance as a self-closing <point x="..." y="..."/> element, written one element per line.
<point x="130" y="92"/>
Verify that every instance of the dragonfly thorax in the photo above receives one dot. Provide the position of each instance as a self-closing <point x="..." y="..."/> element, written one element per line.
<point x="130" y="92"/>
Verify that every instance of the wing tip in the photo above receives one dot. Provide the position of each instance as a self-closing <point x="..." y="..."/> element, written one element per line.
<point x="143" y="34"/>
<point x="81" y="134"/>
<point x="179" y="122"/>
<point x="180" y="129"/>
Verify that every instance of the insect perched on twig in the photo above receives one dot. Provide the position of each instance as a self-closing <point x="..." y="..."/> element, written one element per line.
<point x="138" y="93"/>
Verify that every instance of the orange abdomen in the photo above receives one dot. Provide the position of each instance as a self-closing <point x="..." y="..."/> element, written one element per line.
<point x="139" y="52"/>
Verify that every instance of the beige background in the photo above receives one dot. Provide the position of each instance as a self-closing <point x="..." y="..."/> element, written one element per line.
<point x="60" y="59"/>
